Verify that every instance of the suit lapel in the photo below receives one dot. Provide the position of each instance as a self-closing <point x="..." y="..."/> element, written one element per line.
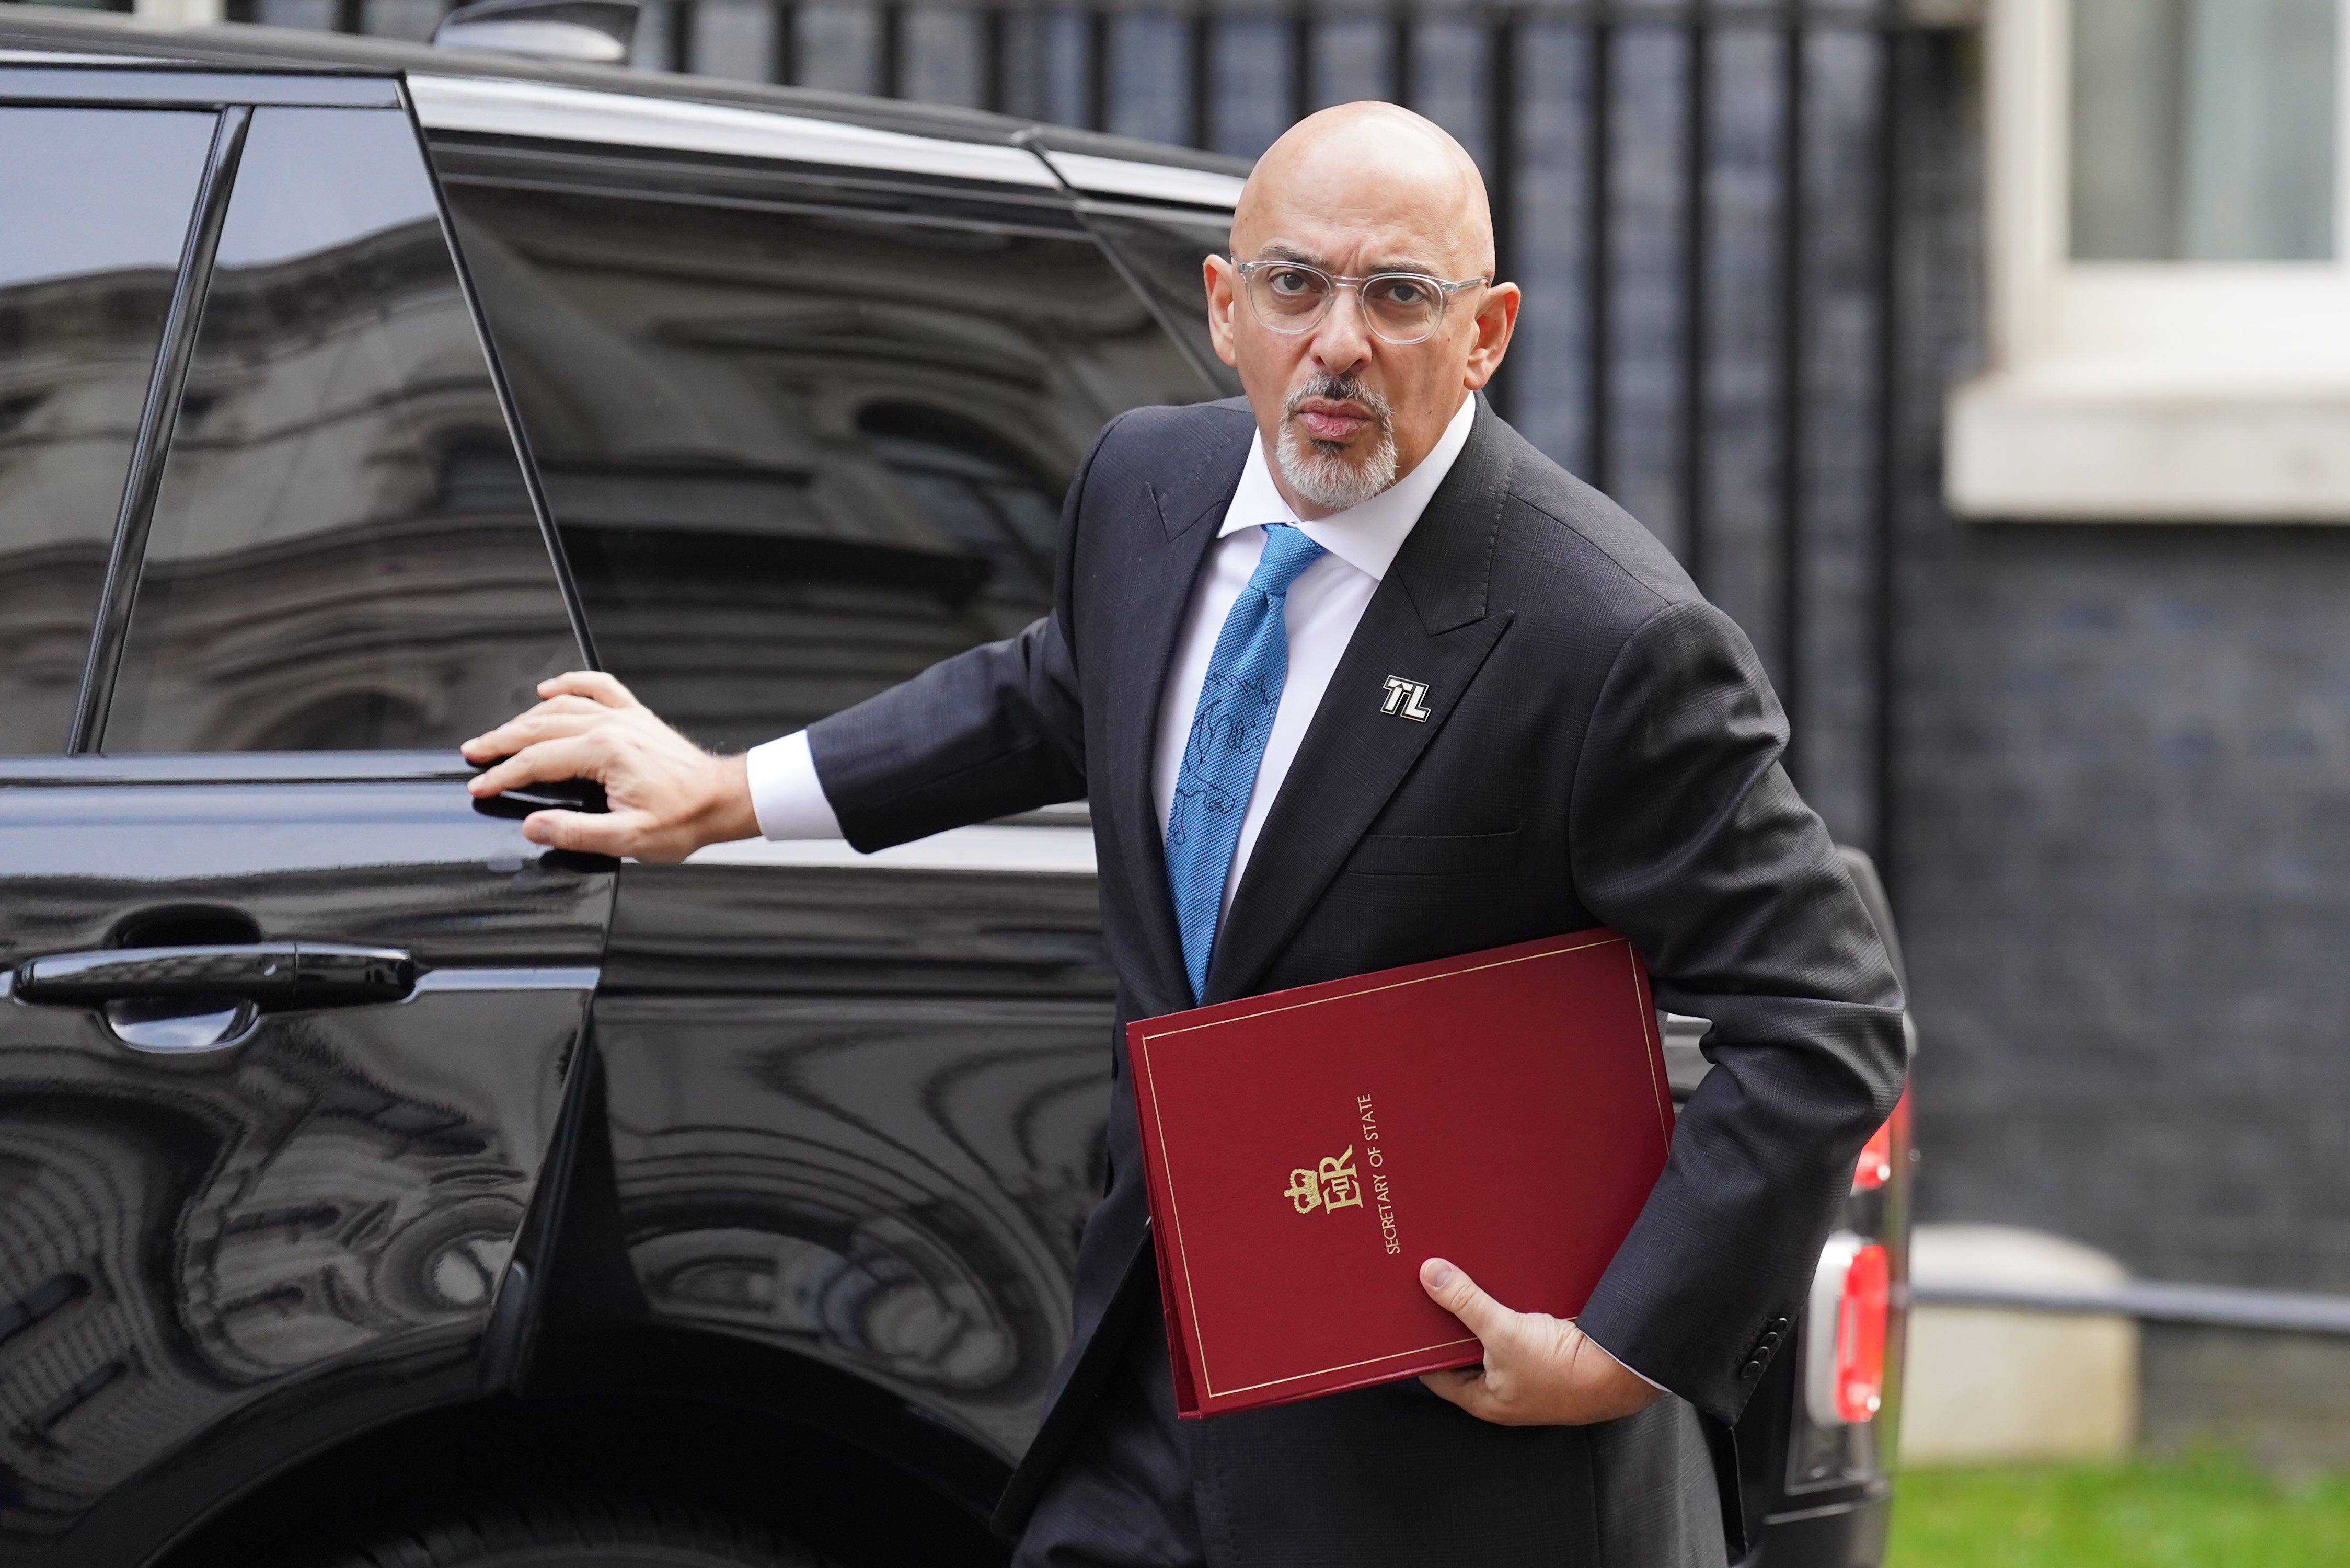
<point x="1155" y="593"/>
<point x="1428" y="624"/>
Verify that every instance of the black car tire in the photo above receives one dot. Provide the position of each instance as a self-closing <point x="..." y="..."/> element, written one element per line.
<point x="571" y="1531"/>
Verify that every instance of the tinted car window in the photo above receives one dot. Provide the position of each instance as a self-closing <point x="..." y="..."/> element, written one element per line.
<point x="84" y="285"/>
<point x="343" y="555"/>
<point x="1164" y="252"/>
<point x="797" y="455"/>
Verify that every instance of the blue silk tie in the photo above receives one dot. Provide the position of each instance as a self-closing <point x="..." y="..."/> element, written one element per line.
<point x="1229" y="729"/>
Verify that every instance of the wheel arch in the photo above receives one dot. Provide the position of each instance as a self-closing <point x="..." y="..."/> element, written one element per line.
<point x="736" y="1429"/>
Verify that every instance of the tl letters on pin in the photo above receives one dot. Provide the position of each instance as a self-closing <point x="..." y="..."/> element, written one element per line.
<point x="1406" y="699"/>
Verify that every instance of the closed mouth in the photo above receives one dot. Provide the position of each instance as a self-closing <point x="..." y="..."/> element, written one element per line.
<point x="1333" y="421"/>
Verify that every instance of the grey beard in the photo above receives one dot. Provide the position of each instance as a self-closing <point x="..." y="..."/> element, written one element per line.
<point x="1327" y="478"/>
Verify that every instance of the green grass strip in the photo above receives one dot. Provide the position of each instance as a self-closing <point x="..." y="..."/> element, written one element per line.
<point x="2206" y="1512"/>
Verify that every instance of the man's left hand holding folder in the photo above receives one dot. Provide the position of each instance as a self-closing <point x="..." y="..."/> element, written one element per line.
<point x="1539" y="1370"/>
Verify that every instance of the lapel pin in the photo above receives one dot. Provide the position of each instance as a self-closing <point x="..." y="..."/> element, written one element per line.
<point x="1406" y="699"/>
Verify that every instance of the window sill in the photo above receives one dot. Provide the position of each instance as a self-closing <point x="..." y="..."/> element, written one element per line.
<point x="2045" y="446"/>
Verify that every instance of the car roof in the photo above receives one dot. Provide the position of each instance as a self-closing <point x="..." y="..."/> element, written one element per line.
<point x="484" y="91"/>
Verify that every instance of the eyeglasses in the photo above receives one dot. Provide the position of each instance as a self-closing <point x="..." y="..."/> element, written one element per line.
<point x="1400" y="308"/>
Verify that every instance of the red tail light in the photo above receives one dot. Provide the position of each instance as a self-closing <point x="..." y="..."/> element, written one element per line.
<point x="1843" y="1332"/>
<point x="1876" y="1167"/>
<point x="1860" y="1334"/>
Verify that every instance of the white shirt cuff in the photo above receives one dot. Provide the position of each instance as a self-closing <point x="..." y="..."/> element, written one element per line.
<point x="787" y="796"/>
<point x="1628" y="1367"/>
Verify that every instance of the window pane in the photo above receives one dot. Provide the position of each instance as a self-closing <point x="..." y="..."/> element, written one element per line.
<point x="1165" y="256"/>
<point x="2203" y="130"/>
<point x="83" y="288"/>
<point x="343" y="555"/>
<point x="798" y="457"/>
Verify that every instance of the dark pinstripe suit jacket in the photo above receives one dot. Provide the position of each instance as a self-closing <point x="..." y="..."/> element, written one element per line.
<point x="1603" y="749"/>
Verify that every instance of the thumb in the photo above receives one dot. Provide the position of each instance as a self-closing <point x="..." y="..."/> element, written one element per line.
<point x="1451" y="1288"/>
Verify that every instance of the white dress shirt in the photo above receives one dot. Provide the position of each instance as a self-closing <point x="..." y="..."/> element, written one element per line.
<point x="1324" y="605"/>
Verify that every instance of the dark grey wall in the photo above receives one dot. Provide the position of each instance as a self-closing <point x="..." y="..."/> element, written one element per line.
<point x="2125" y="884"/>
<point x="2120" y="771"/>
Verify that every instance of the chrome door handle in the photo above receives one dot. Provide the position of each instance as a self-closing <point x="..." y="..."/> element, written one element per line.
<point x="272" y="976"/>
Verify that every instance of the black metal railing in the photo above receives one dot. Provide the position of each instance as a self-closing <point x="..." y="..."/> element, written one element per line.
<point x="1705" y="199"/>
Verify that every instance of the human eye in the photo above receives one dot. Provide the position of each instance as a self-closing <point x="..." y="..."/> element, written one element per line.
<point x="1294" y="282"/>
<point x="1402" y="291"/>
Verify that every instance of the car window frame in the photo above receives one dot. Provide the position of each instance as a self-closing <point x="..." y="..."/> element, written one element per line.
<point x="233" y="97"/>
<point x="37" y="92"/>
<point x="915" y="198"/>
<point x="924" y="195"/>
<point x="1192" y="337"/>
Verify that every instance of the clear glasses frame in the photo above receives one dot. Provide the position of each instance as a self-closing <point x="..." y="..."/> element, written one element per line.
<point x="1380" y="318"/>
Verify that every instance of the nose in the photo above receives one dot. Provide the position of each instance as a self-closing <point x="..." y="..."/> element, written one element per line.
<point x="1342" y="339"/>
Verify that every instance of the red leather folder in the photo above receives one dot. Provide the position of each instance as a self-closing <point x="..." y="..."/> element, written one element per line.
<point x="1307" y="1150"/>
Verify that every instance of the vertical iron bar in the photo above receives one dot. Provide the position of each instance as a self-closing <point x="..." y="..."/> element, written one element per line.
<point x="889" y="50"/>
<point x="1301" y="61"/>
<point x="167" y="383"/>
<point x="1695" y="324"/>
<point x="681" y="35"/>
<point x="784" y="47"/>
<point x="350" y="15"/>
<point x="1887" y="629"/>
<point x="1793" y="425"/>
<point x="1599" y="191"/>
<point x="1400" y="53"/>
<point x="1502" y="152"/>
<point x="1035" y="47"/>
<point x="994" y="83"/>
<point x="1098" y="67"/>
<point x="1204" y="78"/>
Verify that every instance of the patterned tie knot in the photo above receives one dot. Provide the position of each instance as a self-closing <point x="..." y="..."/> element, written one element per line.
<point x="1287" y="552"/>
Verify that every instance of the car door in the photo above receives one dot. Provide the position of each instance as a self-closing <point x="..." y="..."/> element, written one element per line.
<point x="805" y="429"/>
<point x="285" y="1017"/>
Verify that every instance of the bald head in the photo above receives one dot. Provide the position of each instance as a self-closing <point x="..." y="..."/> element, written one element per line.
<point x="1376" y="170"/>
<point x="1351" y="390"/>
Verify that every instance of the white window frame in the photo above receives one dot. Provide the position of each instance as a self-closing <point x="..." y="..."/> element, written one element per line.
<point x="2187" y="391"/>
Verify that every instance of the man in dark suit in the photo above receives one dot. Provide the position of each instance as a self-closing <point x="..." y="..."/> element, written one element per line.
<point x="1353" y="677"/>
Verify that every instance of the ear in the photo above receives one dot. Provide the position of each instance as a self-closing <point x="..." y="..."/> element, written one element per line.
<point x="1223" y="293"/>
<point x="1497" y="318"/>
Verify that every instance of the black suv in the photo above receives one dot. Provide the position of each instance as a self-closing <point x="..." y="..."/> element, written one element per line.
<point x="378" y="1187"/>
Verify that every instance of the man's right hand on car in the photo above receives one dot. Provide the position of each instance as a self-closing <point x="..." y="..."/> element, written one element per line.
<point x="668" y="796"/>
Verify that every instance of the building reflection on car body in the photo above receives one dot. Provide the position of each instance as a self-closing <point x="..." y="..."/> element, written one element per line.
<point x="343" y="553"/>
<point x="81" y="311"/>
<point x="799" y="453"/>
<point x="784" y="482"/>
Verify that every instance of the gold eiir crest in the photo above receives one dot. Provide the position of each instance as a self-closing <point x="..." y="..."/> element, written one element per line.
<point x="1330" y="1184"/>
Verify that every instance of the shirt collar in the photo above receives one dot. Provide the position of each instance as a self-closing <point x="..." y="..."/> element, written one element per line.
<point x="1367" y="536"/>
